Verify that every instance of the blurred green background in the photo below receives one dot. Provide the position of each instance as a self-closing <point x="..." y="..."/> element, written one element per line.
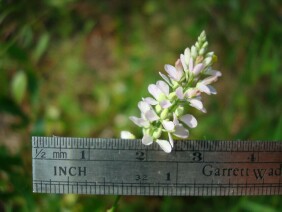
<point x="78" y="68"/>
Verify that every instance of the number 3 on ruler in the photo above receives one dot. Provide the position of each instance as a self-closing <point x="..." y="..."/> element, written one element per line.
<point x="197" y="156"/>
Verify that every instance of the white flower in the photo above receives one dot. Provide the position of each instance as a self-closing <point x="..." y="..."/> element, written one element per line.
<point x="147" y="112"/>
<point x="140" y="121"/>
<point x="210" y="71"/>
<point x="175" y="74"/>
<point x="179" y="93"/>
<point x="191" y="97"/>
<point x="160" y="92"/>
<point x="147" y="115"/>
<point x="156" y="92"/>
<point x="147" y="139"/>
<point x="165" y="78"/>
<point x="197" y="103"/>
<point x="195" y="70"/>
<point x="189" y="120"/>
<point x="204" y="85"/>
<point x="150" y="101"/>
<point x="208" y="89"/>
<point x="165" y="145"/>
<point x="183" y="62"/>
<point x="127" y="135"/>
<point x="168" y="125"/>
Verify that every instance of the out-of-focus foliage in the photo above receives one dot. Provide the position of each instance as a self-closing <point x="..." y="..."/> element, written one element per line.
<point x="78" y="68"/>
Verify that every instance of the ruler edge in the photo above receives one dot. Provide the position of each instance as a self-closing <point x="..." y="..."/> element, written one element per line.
<point x="137" y="143"/>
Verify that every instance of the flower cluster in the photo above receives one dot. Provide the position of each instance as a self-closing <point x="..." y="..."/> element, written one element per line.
<point x="166" y="110"/>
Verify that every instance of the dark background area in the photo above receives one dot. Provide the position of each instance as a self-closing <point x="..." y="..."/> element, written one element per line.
<point x="78" y="68"/>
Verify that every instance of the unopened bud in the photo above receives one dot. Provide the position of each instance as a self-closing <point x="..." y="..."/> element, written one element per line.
<point x="164" y="114"/>
<point x="209" y="54"/>
<point x="193" y="52"/>
<point x="202" y="51"/>
<point x="199" y="59"/>
<point x="146" y="131"/>
<point x="205" y="45"/>
<point x="157" y="133"/>
<point x="179" y="111"/>
<point x="208" y="61"/>
<point x="158" y="108"/>
<point x="202" y="36"/>
<point x="187" y="54"/>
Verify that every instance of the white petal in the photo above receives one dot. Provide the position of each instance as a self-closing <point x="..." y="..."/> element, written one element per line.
<point x="164" y="145"/>
<point x="212" y="89"/>
<point x="203" y="88"/>
<point x="213" y="72"/>
<point x="191" y="66"/>
<point x="191" y="92"/>
<point x="189" y="120"/>
<point x="178" y="65"/>
<point x="179" y="93"/>
<point x="182" y="58"/>
<point x="170" y="139"/>
<point x="151" y="116"/>
<point x="163" y="87"/>
<point x="181" y="132"/>
<point x="143" y="106"/>
<point x="196" y="103"/>
<point x="198" y="68"/>
<point x="173" y="73"/>
<point x="209" y="80"/>
<point x="208" y="89"/>
<point x="147" y="140"/>
<point x="175" y="120"/>
<point x="127" y="135"/>
<point x="154" y="91"/>
<point x="151" y="101"/>
<point x="168" y="125"/>
<point x="139" y="121"/>
<point x="165" y="104"/>
<point x="170" y="70"/>
<point x="165" y="78"/>
<point x="179" y="70"/>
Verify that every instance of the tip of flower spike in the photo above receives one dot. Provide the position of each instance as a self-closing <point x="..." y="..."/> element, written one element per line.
<point x="202" y="36"/>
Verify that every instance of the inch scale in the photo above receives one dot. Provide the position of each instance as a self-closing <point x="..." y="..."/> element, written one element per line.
<point x="126" y="167"/>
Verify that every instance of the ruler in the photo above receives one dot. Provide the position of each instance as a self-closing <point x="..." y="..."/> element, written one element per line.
<point x="126" y="167"/>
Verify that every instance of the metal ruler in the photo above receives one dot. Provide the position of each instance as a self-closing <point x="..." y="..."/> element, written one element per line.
<point x="126" y="167"/>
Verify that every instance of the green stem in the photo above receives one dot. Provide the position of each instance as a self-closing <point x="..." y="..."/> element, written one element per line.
<point x="114" y="207"/>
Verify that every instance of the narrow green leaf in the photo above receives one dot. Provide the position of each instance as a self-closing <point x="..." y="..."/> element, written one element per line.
<point x="19" y="85"/>
<point x="41" y="46"/>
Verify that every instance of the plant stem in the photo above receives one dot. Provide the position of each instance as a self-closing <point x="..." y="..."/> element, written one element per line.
<point x="114" y="207"/>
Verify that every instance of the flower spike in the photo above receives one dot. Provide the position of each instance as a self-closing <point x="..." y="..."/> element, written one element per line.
<point x="164" y="111"/>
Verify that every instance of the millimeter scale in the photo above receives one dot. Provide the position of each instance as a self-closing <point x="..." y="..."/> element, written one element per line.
<point x="127" y="167"/>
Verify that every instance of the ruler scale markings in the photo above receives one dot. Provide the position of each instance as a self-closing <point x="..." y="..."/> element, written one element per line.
<point x="73" y="166"/>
